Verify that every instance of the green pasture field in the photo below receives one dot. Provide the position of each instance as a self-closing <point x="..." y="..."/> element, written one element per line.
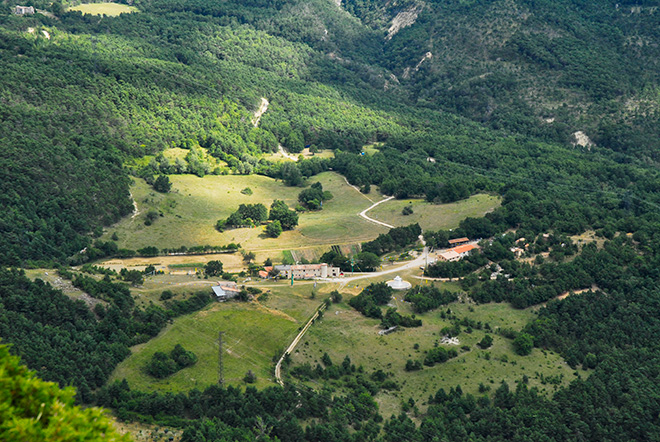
<point x="434" y="216"/>
<point x="343" y="331"/>
<point x="253" y="333"/>
<point x="110" y="9"/>
<point x="191" y="210"/>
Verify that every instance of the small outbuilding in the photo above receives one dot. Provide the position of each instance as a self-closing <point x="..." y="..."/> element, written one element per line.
<point x="225" y="291"/>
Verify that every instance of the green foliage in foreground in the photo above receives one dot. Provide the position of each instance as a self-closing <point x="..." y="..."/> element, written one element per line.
<point x="38" y="411"/>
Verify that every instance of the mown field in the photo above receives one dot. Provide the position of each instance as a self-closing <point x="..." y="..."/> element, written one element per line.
<point x="253" y="334"/>
<point x="434" y="216"/>
<point x="110" y="9"/>
<point x="343" y="331"/>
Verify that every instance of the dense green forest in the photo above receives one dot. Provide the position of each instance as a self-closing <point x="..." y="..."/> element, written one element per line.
<point x="492" y="109"/>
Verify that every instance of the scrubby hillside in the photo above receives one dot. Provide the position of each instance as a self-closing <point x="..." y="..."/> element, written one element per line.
<point x="545" y="68"/>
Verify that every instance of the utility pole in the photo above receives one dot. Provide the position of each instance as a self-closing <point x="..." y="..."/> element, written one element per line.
<point x="221" y="374"/>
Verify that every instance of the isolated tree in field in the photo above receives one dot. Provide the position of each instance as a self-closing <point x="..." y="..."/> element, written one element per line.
<point x="523" y="344"/>
<point x="250" y="377"/>
<point x="486" y="342"/>
<point x="279" y="211"/>
<point x="335" y="297"/>
<point x="162" y="184"/>
<point x="213" y="268"/>
<point x="274" y="229"/>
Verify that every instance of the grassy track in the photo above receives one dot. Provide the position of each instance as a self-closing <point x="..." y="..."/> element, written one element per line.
<point x="110" y="9"/>
<point x="434" y="216"/>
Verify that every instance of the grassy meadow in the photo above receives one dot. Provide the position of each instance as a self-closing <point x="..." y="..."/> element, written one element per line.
<point x="343" y="331"/>
<point x="109" y="9"/>
<point x="191" y="210"/>
<point x="434" y="216"/>
<point x="253" y="333"/>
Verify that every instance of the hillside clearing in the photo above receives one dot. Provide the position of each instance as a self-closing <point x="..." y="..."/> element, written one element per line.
<point x="435" y="216"/>
<point x="191" y="210"/>
<point x="109" y="9"/>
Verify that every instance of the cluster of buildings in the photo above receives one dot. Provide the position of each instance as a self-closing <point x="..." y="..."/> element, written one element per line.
<point x="461" y="248"/>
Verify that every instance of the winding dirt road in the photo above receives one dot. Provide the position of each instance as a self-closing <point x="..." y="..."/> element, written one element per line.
<point x="363" y="214"/>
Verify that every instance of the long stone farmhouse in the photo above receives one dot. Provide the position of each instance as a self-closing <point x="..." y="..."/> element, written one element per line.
<point x="308" y="271"/>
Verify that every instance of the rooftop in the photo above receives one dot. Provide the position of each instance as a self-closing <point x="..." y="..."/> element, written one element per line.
<point x="465" y="248"/>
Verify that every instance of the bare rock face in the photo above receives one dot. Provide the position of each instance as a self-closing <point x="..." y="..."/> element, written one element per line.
<point x="581" y="139"/>
<point x="403" y="19"/>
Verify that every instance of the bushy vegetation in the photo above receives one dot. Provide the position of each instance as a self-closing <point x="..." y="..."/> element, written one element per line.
<point x="162" y="364"/>
<point x="396" y="239"/>
<point x="247" y="215"/>
<point x="424" y="298"/>
<point x="279" y="211"/>
<point x="370" y="299"/>
<point x="313" y="197"/>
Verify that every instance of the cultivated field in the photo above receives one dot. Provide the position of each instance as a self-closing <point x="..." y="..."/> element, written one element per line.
<point x="110" y="9"/>
<point x="434" y="216"/>
<point x="253" y="333"/>
<point x="343" y="331"/>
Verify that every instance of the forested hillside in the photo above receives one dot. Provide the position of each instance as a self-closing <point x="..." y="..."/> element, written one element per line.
<point x="462" y="97"/>
<point x="544" y="68"/>
<point x="96" y="92"/>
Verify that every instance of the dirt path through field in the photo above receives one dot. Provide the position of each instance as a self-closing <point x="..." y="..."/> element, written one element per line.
<point x="286" y="154"/>
<point x="363" y="214"/>
<point x="278" y="367"/>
